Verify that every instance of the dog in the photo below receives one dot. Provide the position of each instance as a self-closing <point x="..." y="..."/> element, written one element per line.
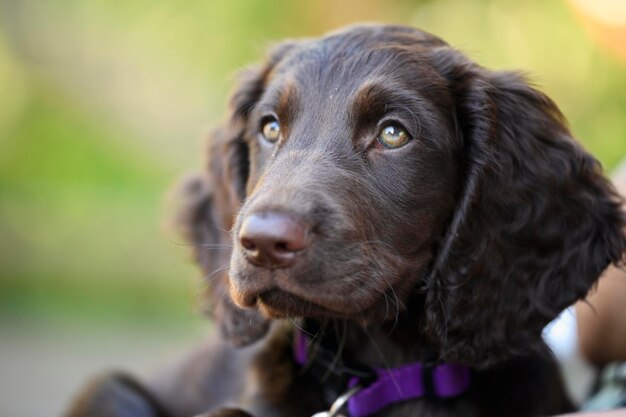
<point x="385" y="228"/>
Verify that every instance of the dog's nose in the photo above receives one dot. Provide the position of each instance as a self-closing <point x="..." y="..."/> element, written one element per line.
<point x="272" y="240"/>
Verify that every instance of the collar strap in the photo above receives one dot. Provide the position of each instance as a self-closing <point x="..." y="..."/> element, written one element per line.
<point x="383" y="387"/>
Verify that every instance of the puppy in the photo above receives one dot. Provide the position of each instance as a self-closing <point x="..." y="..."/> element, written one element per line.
<point x="417" y="220"/>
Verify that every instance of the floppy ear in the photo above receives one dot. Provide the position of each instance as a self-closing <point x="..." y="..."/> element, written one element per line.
<point x="535" y="225"/>
<point x="209" y="201"/>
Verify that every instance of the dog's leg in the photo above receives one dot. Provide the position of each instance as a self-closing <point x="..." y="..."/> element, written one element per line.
<point x="115" y="395"/>
<point x="225" y="412"/>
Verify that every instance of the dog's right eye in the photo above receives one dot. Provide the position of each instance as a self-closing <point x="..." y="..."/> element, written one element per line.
<point x="393" y="136"/>
<point x="270" y="129"/>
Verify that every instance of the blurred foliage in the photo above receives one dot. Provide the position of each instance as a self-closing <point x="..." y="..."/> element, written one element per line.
<point x="104" y="103"/>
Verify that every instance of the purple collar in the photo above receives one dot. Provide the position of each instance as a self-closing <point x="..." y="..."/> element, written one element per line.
<point x="390" y="386"/>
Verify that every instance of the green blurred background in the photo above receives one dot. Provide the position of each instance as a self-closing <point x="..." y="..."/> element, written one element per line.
<point x="104" y="104"/>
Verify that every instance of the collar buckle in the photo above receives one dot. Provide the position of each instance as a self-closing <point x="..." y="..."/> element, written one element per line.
<point x="339" y="403"/>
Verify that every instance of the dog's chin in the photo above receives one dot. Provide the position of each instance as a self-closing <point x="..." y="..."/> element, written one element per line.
<point x="280" y="304"/>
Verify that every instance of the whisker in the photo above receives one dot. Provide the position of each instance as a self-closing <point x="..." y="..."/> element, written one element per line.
<point x="293" y="321"/>
<point x="206" y="280"/>
<point x="386" y="304"/>
<point x="201" y="245"/>
<point x="418" y="124"/>
<point x="445" y="318"/>
<point x="397" y="303"/>
<point x="215" y="245"/>
<point x="216" y="227"/>
<point x="384" y="360"/>
<point x="176" y="243"/>
<point x="342" y="344"/>
<point x="224" y="294"/>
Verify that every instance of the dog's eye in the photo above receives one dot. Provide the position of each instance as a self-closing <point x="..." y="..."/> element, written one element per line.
<point x="271" y="129"/>
<point x="393" y="136"/>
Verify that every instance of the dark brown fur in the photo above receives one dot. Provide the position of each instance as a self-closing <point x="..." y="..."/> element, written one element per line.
<point x="462" y="244"/>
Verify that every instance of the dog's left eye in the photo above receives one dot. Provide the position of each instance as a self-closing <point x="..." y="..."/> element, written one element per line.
<point x="271" y="129"/>
<point x="393" y="136"/>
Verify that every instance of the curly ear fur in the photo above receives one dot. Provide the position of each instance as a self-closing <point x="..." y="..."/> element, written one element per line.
<point x="535" y="225"/>
<point x="211" y="200"/>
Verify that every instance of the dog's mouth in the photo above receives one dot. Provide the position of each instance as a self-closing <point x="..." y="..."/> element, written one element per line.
<point x="286" y="293"/>
<point x="279" y="304"/>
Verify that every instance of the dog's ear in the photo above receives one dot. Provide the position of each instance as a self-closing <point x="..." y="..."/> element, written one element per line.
<point x="535" y="225"/>
<point x="208" y="203"/>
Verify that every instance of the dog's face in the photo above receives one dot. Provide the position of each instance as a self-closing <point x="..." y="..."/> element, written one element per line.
<point x="376" y="166"/>
<point x="353" y="152"/>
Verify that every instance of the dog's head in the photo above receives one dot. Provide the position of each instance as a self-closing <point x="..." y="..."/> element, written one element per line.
<point x="378" y="165"/>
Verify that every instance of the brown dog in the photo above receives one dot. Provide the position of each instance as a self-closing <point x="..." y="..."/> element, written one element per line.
<point x="422" y="214"/>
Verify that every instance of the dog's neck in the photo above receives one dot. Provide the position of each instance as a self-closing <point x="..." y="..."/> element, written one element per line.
<point x="373" y="367"/>
<point x="385" y="345"/>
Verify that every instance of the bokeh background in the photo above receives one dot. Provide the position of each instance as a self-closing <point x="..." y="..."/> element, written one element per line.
<point x="104" y="104"/>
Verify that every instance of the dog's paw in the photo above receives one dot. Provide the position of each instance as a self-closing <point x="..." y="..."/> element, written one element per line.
<point x="114" y="395"/>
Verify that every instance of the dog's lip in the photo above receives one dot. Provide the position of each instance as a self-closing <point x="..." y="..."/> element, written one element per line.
<point x="280" y="303"/>
<point x="279" y="296"/>
<point x="283" y="300"/>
